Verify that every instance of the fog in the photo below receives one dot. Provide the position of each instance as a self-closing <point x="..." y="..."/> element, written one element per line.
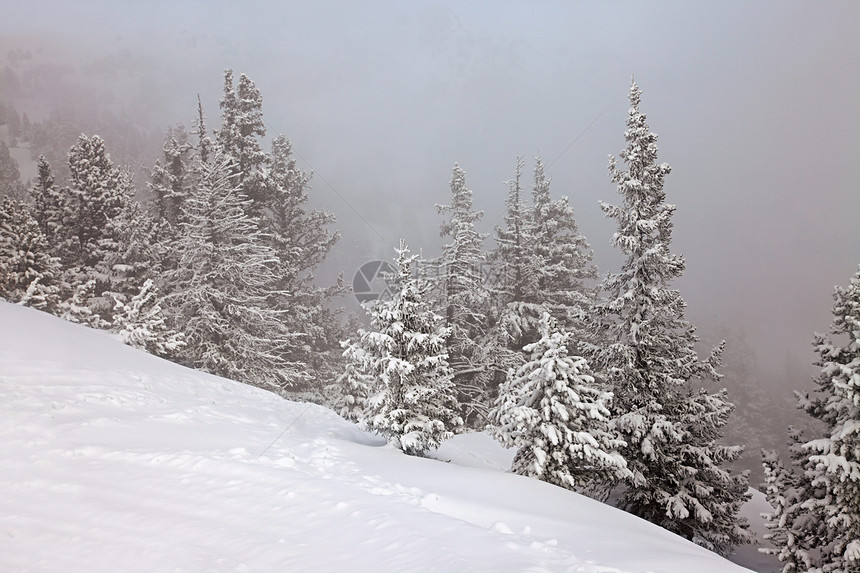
<point x="757" y="105"/>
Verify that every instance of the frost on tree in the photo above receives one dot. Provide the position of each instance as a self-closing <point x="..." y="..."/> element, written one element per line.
<point x="98" y="192"/>
<point x="463" y="298"/>
<point x="169" y="183"/>
<point x="103" y="233"/>
<point x="680" y="476"/>
<point x="301" y="240"/>
<point x="278" y="199"/>
<point x="556" y="417"/>
<point x="542" y="263"/>
<point x="28" y="272"/>
<point x="242" y="128"/>
<point x="411" y="398"/>
<point x="565" y="271"/>
<point x="796" y="526"/>
<point x="355" y="383"/>
<point x="825" y="533"/>
<point x="140" y="323"/>
<point x="47" y="202"/>
<point x="221" y="287"/>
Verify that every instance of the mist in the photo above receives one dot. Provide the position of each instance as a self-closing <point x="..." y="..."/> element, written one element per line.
<point x="755" y="105"/>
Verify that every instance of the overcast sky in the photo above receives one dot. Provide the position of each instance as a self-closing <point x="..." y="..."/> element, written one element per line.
<point x="757" y="105"/>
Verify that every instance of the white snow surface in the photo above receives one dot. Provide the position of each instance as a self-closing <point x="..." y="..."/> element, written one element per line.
<point x="114" y="460"/>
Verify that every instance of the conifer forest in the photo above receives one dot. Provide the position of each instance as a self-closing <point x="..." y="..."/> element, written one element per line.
<point x="652" y="365"/>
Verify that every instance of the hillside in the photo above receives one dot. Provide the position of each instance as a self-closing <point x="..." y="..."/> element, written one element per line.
<point x="114" y="460"/>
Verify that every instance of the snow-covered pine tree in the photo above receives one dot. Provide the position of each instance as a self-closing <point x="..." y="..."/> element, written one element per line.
<point x="28" y="272"/>
<point x="464" y="299"/>
<point x="47" y="202"/>
<point x="220" y="290"/>
<point x="242" y="128"/>
<point x="131" y="253"/>
<point x="87" y="240"/>
<point x="672" y="432"/>
<point x="140" y="323"/>
<point x="797" y="526"/>
<point x="301" y="240"/>
<point x="515" y="272"/>
<point x="832" y="463"/>
<point x="565" y="269"/>
<point x="10" y="175"/>
<point x="168" y="177"/>
<point x="412" y="400"/>
<point x="98" y="193"/>
<point x="559" y="421"/>
<point x="355" y="383"/>
<point x="204" y="143"/>
<point x="77" y="308"/>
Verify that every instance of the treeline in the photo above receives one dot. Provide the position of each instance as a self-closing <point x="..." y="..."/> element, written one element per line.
<point x="215" y="272"/>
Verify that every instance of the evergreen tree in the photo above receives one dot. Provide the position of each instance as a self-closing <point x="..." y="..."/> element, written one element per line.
<point x="835" y="458"/>
<point x="564" y="255"/>
<point x="47" y="202"/>
<point x="204" y="144"/>
<point x="28" y="272"/>
<point x="830" y="465"/>
<point x="10" y="176"/>
<point x="141" y="323"/>
<point x="556" y="417"/>
<point x="77" y="308"/>
<point x="130" y="255"/>
<point x="797" y="526"/>
<point x="168" y="178"/>
<point x="515" y="272"/>
<point x="301" y="240"/>
<point x="242" y="128"/>
<point x="222" y="284"/>
<point x="355" y="384"/>
<point x="679" y="479"/>
<point x="98" y="193"/>
<point x="464" y="299"/>
<point x="513" y="268"/>
<point x="412" y="400"/>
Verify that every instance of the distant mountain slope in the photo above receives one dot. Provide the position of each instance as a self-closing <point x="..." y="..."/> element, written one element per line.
<point x="113" y="460"/>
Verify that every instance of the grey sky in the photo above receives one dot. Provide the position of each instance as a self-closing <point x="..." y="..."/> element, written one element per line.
<point x="757" y="105"/>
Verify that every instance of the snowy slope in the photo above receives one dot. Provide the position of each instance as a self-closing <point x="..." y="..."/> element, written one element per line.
<point x="113" y="460"/>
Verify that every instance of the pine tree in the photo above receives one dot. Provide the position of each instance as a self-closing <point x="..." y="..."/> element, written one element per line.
<point x="141" y="323"/>
<point x="464" y="299"/>
<point x="565" y="258"/>
<point x="552" y="411"/>
<point x="98" y="193"/>
<point x="412" y="400"/>
<point x="219" y="291"/>
<point x="797" y="526"/>
<point x="130" y="255"/>
<point x="301" y="240"/>
<point x="242" y="128"/>
<point x="28" y="272"/>
<point x="515" y="272"/>
<point x="831" y="464"/>
<point x="672" y="432"/>
<point x="168" y="178"/>
<point x="355" y="384"/>
<point x="78" y="309"/>
<point x="10" y="176"/>
<point x="512" y="266"/>
<point x="47" y="202"/>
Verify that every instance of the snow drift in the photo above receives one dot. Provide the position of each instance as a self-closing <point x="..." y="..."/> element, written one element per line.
<point x="114" y="460"/>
